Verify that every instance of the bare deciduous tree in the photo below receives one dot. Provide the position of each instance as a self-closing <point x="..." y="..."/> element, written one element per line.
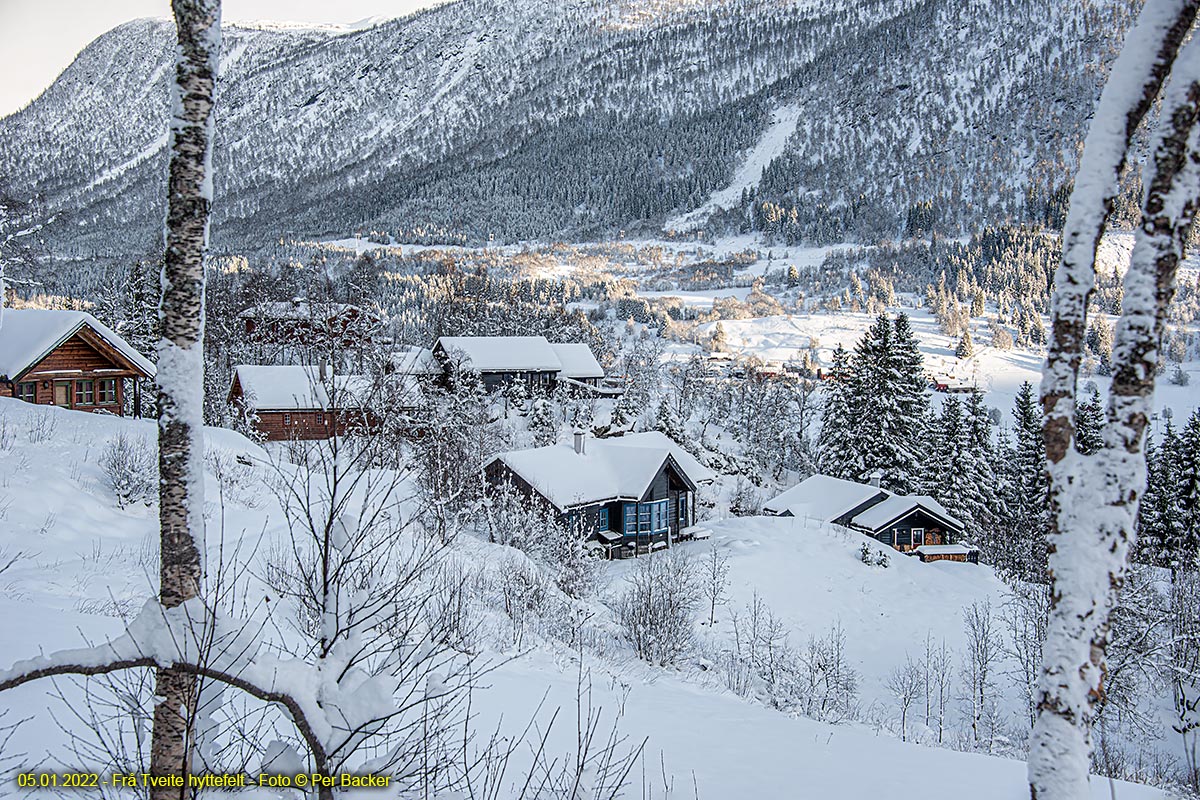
<point x="905" y="684"/>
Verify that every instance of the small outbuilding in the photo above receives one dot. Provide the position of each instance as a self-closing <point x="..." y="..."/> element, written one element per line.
<point x="908" y="523"/>
<point x="299" y="402"/>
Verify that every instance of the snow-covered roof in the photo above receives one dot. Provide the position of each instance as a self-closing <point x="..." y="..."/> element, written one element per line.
<point x="822" y="497"/>
<point x="415" y="361"/>
<point x="659" y="440"/>
<point x="896" y="506"/>
<point x="607" y="469"/>
<point x="296" y="388"/>
<point x="503" y="353"/>
<point x="28" y="335"/>
<point x="577" y="361"/>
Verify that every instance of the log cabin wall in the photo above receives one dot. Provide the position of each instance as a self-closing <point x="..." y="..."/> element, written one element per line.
<point x="75" y="375"/>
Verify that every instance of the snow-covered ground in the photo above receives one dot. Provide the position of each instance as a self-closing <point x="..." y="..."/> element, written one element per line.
<point x="998" y="373"/>
<point x="82" y="561"/>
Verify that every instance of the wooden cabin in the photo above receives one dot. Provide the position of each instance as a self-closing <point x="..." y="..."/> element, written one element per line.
<point x="502" y="360"/>
<point x="914" y="524"/>
<point x="298" y="403"/>
<point x="630" y="495"/>
<point x="68" y="359"/>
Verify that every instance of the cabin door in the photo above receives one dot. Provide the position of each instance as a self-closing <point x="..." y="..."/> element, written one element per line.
<point x="62" y="394"/>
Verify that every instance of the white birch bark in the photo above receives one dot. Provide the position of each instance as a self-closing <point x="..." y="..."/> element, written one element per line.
<point x="1094" y="498"/>
<point x="181" y="364"/>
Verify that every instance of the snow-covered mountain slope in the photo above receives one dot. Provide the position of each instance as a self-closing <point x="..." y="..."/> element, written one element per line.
<point x="83" y="563"/>
<point x="539" y="118"/>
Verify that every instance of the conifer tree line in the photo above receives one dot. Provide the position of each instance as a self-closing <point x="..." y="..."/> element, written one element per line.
<point x="877" y="418"/>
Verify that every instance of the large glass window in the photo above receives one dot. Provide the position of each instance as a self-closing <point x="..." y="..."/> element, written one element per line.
<point x="604" y="519"/>
<point x="27" y="392"/>
<point x="646" y="518"/>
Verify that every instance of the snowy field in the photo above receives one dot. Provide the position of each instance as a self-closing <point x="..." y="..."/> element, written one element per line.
<point x="82" y="562"/>
<point x="998" y="373"/>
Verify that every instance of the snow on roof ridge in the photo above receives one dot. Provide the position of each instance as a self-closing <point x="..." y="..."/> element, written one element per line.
<point x="823" y="497"/>
<point x="29" y="334"/>
<point x="606" y="470"/>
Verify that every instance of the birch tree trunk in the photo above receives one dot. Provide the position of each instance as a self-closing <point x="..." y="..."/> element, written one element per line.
<point x="1094" y="499"/>
<point x="181" y="367"/>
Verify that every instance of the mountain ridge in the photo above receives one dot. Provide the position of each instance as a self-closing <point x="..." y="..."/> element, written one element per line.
<point x="480" y="119"/>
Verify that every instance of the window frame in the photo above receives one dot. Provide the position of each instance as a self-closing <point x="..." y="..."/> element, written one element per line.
<point x="85" y="393"/>
<point x="31" y="386"/>
<point x="602" y="517"/>
<point x="915" y="533"/>
<point x="104" y="397"/>
<point x="287" y="418"/>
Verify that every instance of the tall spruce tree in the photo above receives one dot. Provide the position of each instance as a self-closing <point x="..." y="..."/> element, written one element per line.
<point x="1089" y="423"/>
<point x="889" y="390"/>
<point x="837" y="441"/>
<point x="1158" y="521"/>
<point x="1186" y="541"/>
<point x="1027" y="500"/>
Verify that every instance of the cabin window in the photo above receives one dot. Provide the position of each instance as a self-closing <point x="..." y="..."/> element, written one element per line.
<point x="287" y="419"/>
<point x="106" y="391"/>
<point x="27" y="391"/>
<point x="683" y="500"/>
<point x="604" y="519"/>
<point x="918" y="536"/>
<point x="85" y="393"/>
<point x="631" y="518"/>
<point x="649" y="517"/>
<point x="320" y="419"/>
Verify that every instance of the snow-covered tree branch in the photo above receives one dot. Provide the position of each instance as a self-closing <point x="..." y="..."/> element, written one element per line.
<point x="1094" y="498"/>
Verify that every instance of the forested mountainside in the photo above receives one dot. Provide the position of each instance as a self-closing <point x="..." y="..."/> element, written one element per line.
<point x="540" y="118"/>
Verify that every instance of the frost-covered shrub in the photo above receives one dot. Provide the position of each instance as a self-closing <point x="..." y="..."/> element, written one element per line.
<point x="510" y="519"/>
<point x="42" y="427"/>
<point x="131" y="467"/>
<point x="872" y="557"/>
<point x="657" y="606"/>
<point x="746" y="501"/>
<point x="236" y="478"/>
<point x="1179" y="377"/>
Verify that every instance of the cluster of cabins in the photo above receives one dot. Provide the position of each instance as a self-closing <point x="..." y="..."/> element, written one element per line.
<point x="633" y="494"/>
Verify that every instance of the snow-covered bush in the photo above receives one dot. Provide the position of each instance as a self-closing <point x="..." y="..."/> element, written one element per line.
<point x="873" y="557"/>
<point x="657" y="606"/>
<point x="746" y="501"/>
<point x="511" y="519"/>
<point x="828" y="684"/>
<point x="131" y="469"/>
<point x="1180" y="377"/>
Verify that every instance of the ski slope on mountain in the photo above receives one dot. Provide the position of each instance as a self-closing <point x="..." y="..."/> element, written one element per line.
<point x="769" y="147"/>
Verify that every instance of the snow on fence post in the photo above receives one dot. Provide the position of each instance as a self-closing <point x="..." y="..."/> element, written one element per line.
<point x="181" y="364"/>
<point x="1094" y="498"/>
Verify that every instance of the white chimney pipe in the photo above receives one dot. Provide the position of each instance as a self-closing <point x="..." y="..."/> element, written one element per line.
<point x="580" y="442"/>
<point x="876" y="477"/>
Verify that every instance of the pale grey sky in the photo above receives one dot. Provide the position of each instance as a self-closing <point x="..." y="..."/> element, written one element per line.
<point x="39" y="38"/>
